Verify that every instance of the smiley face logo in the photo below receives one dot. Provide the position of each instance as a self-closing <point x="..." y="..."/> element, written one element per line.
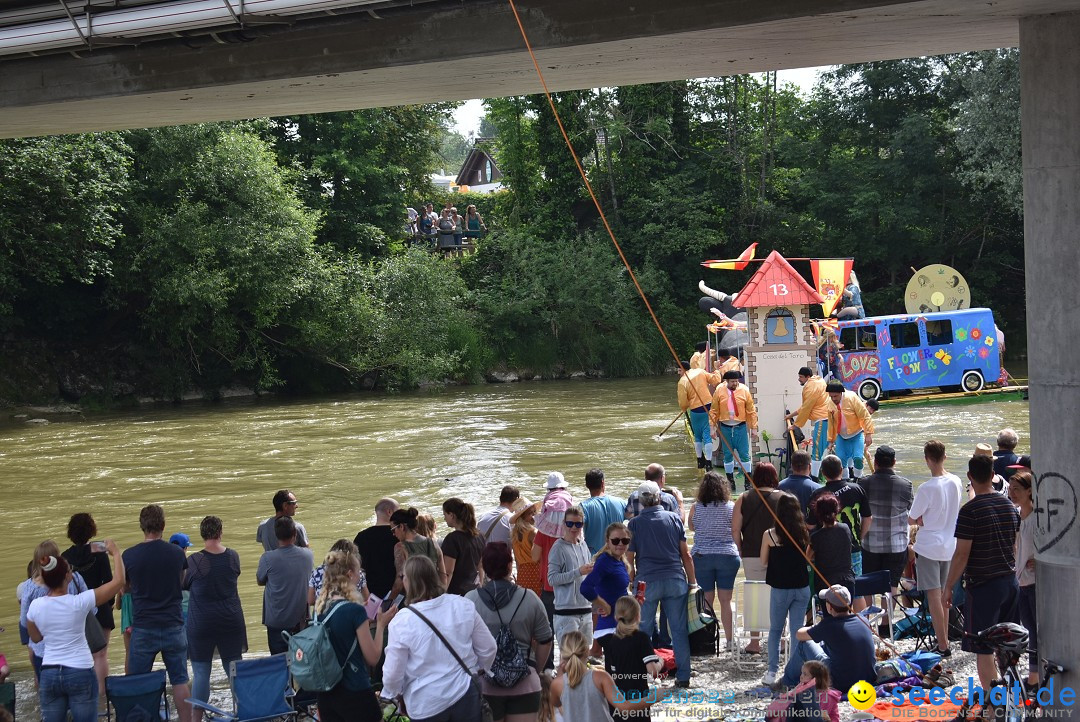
<point x="862" y="696"/>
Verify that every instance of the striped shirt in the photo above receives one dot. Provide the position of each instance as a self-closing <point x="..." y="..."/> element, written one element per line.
<point x="991" y="522"/>
<point x="712" y="529"/>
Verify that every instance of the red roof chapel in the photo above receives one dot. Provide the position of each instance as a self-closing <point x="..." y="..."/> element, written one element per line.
<point x="776" y="283"/>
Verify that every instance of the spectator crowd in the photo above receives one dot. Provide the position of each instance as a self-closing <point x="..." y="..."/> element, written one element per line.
<point x="560" y="603"/>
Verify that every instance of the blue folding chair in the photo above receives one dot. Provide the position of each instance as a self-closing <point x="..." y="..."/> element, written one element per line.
<point x="871" y="585"/>
<point x="260" y="691"/>
<point x="137" y="697"/>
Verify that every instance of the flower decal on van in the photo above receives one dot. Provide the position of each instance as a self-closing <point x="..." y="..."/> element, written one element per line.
<point x="984" y="352"/>
<point x="961" y="334"/>
<point x="976" y="334"/>
<point x="989" y="341"/>
<point x="970" y="351"/>
<point x="943" y="356"/>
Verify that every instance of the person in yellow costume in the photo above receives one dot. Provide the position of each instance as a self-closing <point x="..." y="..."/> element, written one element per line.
<point x="695" y="398"/>
<point x="700" y="359"/>
<point x="815" y="409"/>
<point x="850" y="428"/>
<point x="726" y="362"/>
<point x="735" y="417"/>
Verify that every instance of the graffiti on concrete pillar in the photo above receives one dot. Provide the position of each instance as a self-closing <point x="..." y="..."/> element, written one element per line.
<point x="1055" y="509"/>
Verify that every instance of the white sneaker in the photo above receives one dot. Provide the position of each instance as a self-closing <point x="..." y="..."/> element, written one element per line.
<point x="770" y="679"/>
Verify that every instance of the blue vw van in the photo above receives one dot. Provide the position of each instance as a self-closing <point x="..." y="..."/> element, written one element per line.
<point x="951" y="350"/>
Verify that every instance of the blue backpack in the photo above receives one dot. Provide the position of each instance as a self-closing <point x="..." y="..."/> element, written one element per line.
<point x="312" y="659"/>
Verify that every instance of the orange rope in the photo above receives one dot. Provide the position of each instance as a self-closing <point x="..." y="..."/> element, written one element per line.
<point x="641" y="292"/>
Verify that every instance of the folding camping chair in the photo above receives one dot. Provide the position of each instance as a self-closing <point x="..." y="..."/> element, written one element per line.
<point x="260" y="691"/>
<point x="752" y="615"/>
<point x="871" y="585"/>
<point x="137" y="697"/>
<point x="916" y="622"/>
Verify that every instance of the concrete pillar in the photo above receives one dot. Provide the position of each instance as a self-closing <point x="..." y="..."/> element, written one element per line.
<point x="1050" y="122"/>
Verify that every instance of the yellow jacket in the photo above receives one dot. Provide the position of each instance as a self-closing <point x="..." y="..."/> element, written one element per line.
<point x="694" y="388"/>
<point x="856" y="417"/>
<point x="744" y="405"/>
<point x="732" y="364"/>
<point x="815" y="402"/>
<point x="697" y="361"/>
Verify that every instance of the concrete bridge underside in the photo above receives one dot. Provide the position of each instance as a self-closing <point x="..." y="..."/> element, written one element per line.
<point x="470" y="49"/>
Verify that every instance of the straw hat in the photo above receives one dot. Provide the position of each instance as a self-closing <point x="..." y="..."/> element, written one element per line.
<point x="520" y="506"/>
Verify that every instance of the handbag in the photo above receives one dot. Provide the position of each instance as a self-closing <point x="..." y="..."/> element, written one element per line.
<point x="485" y="709"/>
<point x="95" y="635"/>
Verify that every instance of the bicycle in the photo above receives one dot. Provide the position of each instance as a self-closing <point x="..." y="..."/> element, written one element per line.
<point x="1009" y="642"/>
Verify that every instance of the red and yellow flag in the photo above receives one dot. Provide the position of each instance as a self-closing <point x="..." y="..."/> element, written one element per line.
<point x="830" y="277"/>
<point x="733" y="264"/>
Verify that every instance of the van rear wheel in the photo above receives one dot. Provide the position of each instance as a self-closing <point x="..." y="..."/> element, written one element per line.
<point x="972" y="381"/>
<point x="869" y="389"/>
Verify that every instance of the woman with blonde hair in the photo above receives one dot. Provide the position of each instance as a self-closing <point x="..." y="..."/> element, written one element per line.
<point x="318" y="574"/>
<point x="608" y="580"/>
<point x="629" y="657"/>
<point x="583" y="694"/>
<point x="68" y="684"/>
<point x="437" y="645"/>
<point x="36" y="589"/>
<point x="522" y="536"/>
<point x="339" y="607"/>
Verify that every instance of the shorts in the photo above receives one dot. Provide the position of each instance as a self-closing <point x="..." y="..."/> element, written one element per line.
<point x="753" y="569"/>
<point x="987" y="604"/>
<point x="877" y="561"/>
<point x="504" y="706"/>
<point x="716" y="571"/>
<point x="856" y="563"/>
<point x="171" y="642"/>
<point x="564" y="623"/>
<point x="930" y="573"/>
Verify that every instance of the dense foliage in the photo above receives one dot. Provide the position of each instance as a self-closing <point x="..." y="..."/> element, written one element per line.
<point x="271" y="253"/>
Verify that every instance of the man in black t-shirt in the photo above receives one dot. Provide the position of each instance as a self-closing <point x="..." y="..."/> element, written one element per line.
<point x="986" y="531"/>
<point x="155" y="574"/>
<point x="376" y="545"/>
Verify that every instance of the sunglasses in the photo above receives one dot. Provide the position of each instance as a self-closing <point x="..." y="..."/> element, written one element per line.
<point x="574" y="524"/>
<point x="619" y="540"/>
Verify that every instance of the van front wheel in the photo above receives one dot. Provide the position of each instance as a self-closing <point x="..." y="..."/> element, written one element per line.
<point x="869" y="389"/>
<point x="972" y="381"/>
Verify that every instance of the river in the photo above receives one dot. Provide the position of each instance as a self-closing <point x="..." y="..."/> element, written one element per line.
<point x="340" y="455"/>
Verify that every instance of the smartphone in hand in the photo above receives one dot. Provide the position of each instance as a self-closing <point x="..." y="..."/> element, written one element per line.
<point x="395" y="602"/>
<point x="97" y="546"/>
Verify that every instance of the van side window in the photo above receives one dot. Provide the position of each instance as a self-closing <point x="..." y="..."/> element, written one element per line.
<point x="904" y="335"/>
<point x="849" y="338"/>
<point x="939" y="333"/>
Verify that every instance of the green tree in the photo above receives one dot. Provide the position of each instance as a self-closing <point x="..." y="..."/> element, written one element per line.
<point x="360" y="169"/>
<point x="60" y="204"/>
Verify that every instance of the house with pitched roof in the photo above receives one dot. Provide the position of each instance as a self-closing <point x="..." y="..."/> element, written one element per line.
<point x="777" y="300"/>
<point x="479" y="173"/>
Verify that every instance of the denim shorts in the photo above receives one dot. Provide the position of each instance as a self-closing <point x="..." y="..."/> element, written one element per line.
<point x="171" y="642"/>
<point x="716" y="571"/>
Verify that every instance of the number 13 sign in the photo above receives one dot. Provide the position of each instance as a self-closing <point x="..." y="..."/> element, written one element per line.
<point x="779" y="289"/>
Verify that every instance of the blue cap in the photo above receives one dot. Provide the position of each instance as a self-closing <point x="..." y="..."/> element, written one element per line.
<point x="180" y="539"/>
